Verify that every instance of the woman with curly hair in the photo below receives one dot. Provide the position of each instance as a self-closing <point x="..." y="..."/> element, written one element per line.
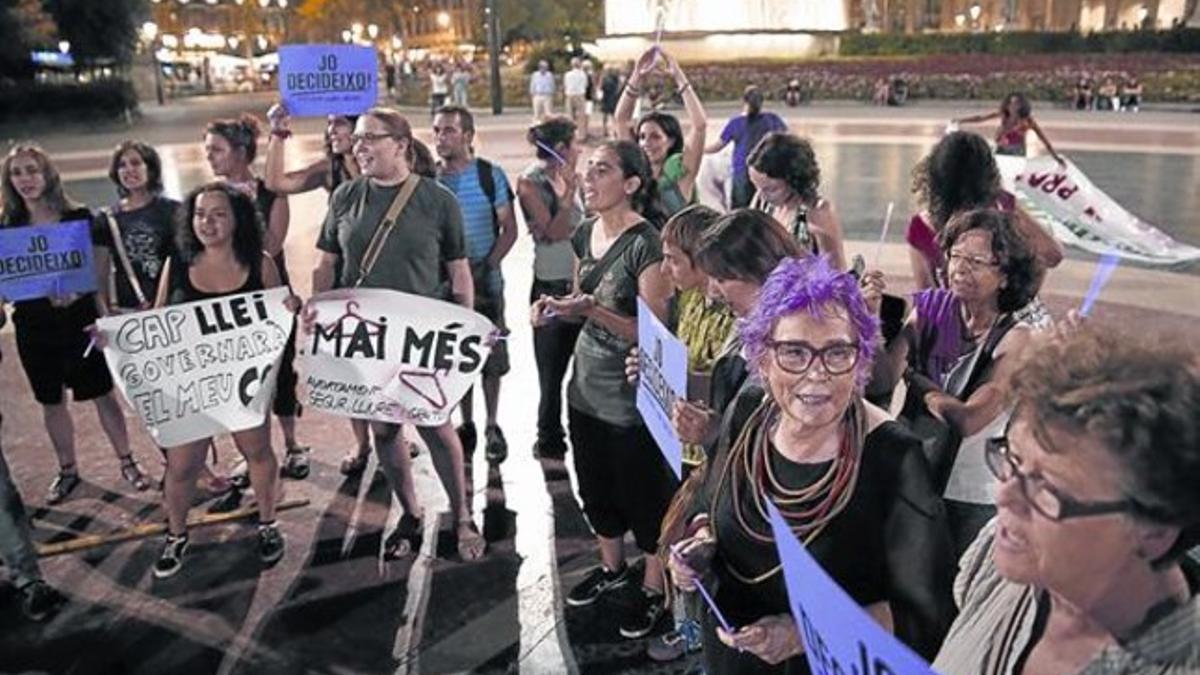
<point x="1015" y="121"/>
<point x="958" y="175"/>
<point x="852" y="484"/>
<point x="1085" y="568"/>
<point x="955" y="351"/>
<point x="785" y="173"/>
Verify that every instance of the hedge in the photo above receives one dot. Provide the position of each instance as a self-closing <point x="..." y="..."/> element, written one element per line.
<point x="92" y="101"/>
<point x="1178" y="40"/>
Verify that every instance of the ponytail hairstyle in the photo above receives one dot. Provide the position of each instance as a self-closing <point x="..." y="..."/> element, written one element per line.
<point x="550" y="134"/>
<point x="420" y="159"/>
<point x="240" y="133"/>
<point x="634" y="164"/>
<point x="753" y="99"/>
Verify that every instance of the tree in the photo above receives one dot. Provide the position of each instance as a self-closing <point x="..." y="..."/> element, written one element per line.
<point x="539" y="20"/>
<point x="24" y="26"/>
<point x="98" y="30"/>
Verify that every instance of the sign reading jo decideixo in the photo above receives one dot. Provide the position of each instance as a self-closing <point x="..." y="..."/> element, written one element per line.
<point x="328" y="79"/>
<point x="384" y="355"/>
<point x="840" y="638"/>
<point x="200" y="368"/>
<point x="45" y="260"/>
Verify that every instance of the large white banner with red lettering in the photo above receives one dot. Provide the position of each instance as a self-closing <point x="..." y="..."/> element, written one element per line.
<point x="383" y="355"/>
<point x="202" y="368"/>
<point x="1082" y="216"/>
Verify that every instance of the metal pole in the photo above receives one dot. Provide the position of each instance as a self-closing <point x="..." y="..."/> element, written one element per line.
<point x="494" y="56"/>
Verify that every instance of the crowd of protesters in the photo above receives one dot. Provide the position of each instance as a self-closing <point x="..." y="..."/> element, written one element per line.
<point x="1027" y="511"/>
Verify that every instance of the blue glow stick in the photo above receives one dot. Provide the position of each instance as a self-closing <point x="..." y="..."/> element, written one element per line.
<point x="1104" y="270"/>
<point x="559" y="158"/>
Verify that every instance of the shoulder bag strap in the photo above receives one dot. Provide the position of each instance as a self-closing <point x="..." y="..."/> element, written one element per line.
<point x="371" y="256"/>
<point x="123" y="256"/>
<point x="589" y="282"/>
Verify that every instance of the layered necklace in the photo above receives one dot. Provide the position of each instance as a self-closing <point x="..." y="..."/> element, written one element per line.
<point x="751" y="481"/>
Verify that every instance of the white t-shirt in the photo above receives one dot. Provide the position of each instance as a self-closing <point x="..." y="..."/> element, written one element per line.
<point x="575" y="82"/>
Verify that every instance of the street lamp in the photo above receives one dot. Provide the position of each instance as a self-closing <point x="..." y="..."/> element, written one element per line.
<point x="372" y="31"/>
<point x="960" y="20"/>
<point x="975" y="11"/>
<point x="443" y="20"/>
<point x="1142" y="13"/>
<point x="347" y="36"/>
<point x="64" y="46"/>
<point x="149" y="31"/>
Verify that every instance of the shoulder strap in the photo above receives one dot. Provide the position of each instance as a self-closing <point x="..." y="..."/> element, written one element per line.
<point x="589" y="283"/>
<point x="981" y="360"/>
<point x="384" y="229"/>
<point x="123" y="257"/>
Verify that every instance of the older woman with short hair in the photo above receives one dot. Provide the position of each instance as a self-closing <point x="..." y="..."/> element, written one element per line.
<point x="851" y="483"/>
<point x="1084" y="568"/>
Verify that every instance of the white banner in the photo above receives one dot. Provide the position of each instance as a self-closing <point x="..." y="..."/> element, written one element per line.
<point x="1082" y="216"/>
<point x="201" y="368"/>
<point x="391" y="356"/>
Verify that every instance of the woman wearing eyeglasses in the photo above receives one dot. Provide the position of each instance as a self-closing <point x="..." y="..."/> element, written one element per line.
<point x="1084" y="569"/>
<point x="852" y="484"/>
<point x="957" y="345"/>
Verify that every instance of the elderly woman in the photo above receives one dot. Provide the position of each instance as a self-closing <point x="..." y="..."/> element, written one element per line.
<point x="852" y="484"/>
<point x="956" y="346"/>
<point x="1084" y="569"/>
<point x="784" y="170"/>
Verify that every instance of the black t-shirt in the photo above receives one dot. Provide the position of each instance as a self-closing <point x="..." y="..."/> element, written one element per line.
<point x="148" y="234"/>
<point x="889" y="543"/>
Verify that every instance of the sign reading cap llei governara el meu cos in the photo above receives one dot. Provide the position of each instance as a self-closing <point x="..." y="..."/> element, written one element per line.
<point x="46" y="260"/>
<point x="319" y="80"/>
<point x="201" y="368"/>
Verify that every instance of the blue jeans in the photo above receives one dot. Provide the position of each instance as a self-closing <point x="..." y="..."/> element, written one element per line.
<point x="16" y="548"/>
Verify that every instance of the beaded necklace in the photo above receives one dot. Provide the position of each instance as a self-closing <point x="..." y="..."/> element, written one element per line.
<point x="807" y="510"/>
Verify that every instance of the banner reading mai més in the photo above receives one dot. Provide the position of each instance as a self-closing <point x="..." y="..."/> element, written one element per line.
<point x="200" y="368"/>
<point x="46" y="260"/>
<point x="389" y="356"/>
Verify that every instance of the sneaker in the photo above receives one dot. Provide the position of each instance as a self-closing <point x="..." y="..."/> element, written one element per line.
<point x="683" y="639"/>
<point x="62" y="486"/>
<point x="295" y="463"/>
<point x="39" y="601"/>
<point x="496" y="449"/>
<point x="170" y="561"/>
<point x="648" y="609"/>
<point x="468" y="438"/>
<point x="598" y="582"/>
<point x="270" y="544"/>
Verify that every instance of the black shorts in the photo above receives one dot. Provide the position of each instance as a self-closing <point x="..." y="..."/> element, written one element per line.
<point x="286" y="404"/>
<point x="51" y="342"/>
<point x="489" y="301"/>
<point x="624" y="482"/>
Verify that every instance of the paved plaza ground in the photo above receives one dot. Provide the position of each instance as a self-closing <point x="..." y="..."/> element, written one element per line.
<point x="333" y="605"/>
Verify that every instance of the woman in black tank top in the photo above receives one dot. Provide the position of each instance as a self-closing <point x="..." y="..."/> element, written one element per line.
<point x="219" y="253"/>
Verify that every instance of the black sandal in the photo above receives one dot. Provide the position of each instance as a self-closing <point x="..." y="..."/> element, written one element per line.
<point x="63" y="484"/>
<point x="132" y="473"/>
<point x="405" y="539"/>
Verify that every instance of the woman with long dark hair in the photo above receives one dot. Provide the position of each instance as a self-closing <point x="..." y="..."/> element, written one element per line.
<point x="784" y="169"/>
<point x="745" y="131"/>
<point x="1016" y="119"/>
<point x="52" y="332"/>
<point x="219" y="252"/>
<point x="230" y="145"/>
<point x="624" y="482"/>
<point x="674" y="157"/>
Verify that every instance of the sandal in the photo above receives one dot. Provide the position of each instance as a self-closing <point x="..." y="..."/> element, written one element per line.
<point x="132" y="473"/>
<point x="63" y="484"/>
<point x="295" y="463"/>
<point x="353" y="464"/>
<point x="471" y="544"/>
<point x="405" y="539"/>
<point x="240" y="476"/>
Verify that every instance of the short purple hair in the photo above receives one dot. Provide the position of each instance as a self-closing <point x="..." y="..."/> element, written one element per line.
<point x="812" y="284"/>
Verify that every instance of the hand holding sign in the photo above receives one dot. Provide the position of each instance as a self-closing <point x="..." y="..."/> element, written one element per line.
<point x="773" y="639"/>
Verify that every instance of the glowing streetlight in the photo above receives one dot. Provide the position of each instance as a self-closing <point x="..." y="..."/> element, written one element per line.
<point x="232" y="41"/>
<point x="356" y="29"/>
<point x="347" y="36"/>
<point x="372" y="31"/>
<point x="64" y="46"/>
<point x="149" y="31"/>
<point x="443" y="20"/>
<point x="960" y="20"/>
<point x="397" y="43"/>
<point x="264" y="3"/>
<point x="975" y="11"/>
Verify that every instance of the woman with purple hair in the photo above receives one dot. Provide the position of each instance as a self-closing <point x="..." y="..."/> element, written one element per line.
<point x="852" y="484"/>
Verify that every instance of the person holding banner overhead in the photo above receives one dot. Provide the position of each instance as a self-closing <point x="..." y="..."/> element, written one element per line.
<point x="852" y="484"/>
<point x="392" y="228"/>
<point x="1016" y="120"/>
<point x="1085" y="568"/>
<point x="674" y="157"/>
<point x="624" y="482"/>
<point x="787" y="180"/>
<point x="230" y="146"/>
<point x="52" y="338"/>
<point x="219" y="253"/>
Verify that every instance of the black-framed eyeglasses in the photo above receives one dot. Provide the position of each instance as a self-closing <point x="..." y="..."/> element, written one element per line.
<point x="370" y="137"/>
<point x="796" y="356"/>
<point x="1046" y="499"/>
<point x="971" y="261"/>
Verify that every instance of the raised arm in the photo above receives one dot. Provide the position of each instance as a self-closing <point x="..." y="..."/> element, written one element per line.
<point x="693" y="142"/>
<point x="983" y="117"/>
<point x="623" y="118"/>
<point x="1037" y="129"/>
